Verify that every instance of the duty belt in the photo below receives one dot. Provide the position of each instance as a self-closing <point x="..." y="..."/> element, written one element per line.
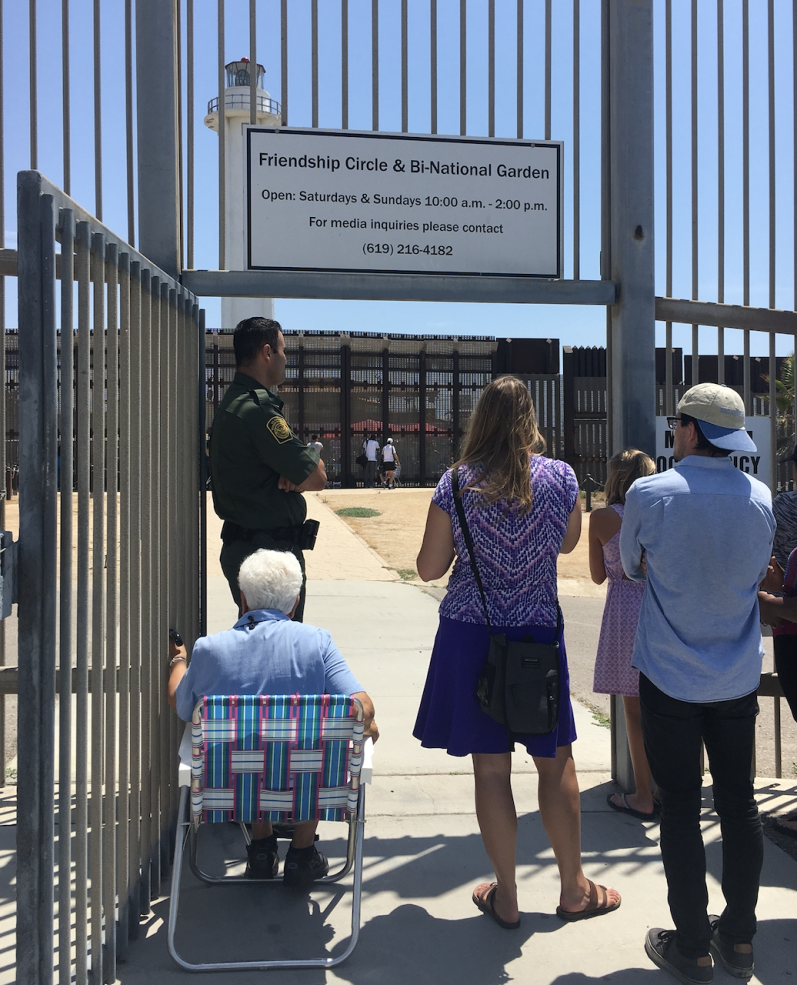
<point x="301" y="535"/>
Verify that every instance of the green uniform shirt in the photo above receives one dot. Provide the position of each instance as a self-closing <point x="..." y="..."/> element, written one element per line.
<point x="251" y="446"/>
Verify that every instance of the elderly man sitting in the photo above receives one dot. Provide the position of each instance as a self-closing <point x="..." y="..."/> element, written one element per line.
<point x="266" y="653"/>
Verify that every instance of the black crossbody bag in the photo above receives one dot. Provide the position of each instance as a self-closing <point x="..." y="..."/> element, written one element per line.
<point x="519" y="683"/>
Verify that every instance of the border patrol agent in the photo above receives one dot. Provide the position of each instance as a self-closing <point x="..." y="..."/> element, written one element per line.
<point x="259" y="468"/>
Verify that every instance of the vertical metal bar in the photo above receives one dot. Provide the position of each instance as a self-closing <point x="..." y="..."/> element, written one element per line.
<point x="794" y="191"/>
<point x="631" y="372"/>
<point x="125" y="820"/>
<point x="547" y="69"/>
<point x="519" y="66"/>
<point x="284" y="60"/>
<point x="695" y="258"/>
<point x="111" y="590"/>
<point x="83" y="394"/>
<point x="179" y="134"/>
<point x="66" y="113"/>
<point x="34" y="86"/>
<point x="433" y="65"/>
<point x="144" y="583"/>
<point x="606" y="212"/>
<point x="314" y="60"/>
<point x="669" y="402"/>
<point x="374" y="64"/>
<point x="199" y="328"/>
<point x="135" y="429"/>
<point x="155" y="644"/>
<point x="3" y="422"/>
<point x="38" y="413"/>
<point x="720" y="183"/>
<point x="746" y="192"/>
<point x="344" y="64"/>
<point x="404" y="70"/>
<point x="253" y="62"/>
<point x="189" y="136"/>
<point x="97" y="67"/>
<point x="463" y="67"/>
<point x="778" y="744"/>
<point x="166" y="425"/>
<point x="491" y="68"/>
<point x="131" y="195"/>
<point x="98" y="598"/>
<point x="67" y="236"/>
<point x="576" y="139"/>
<point x="157" y="134"/>
<point x="773" y="406"/>
<point x="222" y="141"/>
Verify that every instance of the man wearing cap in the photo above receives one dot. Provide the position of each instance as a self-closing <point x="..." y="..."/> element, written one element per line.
<point x="702" y="532"/>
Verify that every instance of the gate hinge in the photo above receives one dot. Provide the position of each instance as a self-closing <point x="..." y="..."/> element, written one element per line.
<point x="8" y="572"/>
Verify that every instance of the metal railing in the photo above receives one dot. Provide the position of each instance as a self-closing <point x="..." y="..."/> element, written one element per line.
<point x="92" y="685"/>
<point x="241" y="101"/>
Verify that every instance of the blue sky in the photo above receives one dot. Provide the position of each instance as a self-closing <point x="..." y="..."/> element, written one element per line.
<point x="572" y="325"/>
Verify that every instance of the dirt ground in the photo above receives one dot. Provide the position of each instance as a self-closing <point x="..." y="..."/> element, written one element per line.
<point x="396" y="535"/>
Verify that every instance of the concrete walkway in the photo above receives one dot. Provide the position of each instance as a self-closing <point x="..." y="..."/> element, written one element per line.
<point x="423" y="852"/>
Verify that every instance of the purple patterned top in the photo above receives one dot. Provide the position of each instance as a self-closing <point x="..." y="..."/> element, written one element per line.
<point x="516" y="555"/>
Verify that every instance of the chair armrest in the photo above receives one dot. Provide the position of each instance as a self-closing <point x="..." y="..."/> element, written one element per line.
<point x="367" y="770"/>
<point x="184" y="769"/>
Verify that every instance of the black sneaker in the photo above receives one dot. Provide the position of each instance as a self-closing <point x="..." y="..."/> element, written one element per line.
<point x="661" y="948"/>
<point x="303" y="866"/>
<point x="738" y="964"/>
<point x="262" y="859"/>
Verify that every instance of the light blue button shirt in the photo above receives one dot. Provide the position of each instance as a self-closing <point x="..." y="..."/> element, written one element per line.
<point x="264" y="653"/>
<point x="706" y="529"/>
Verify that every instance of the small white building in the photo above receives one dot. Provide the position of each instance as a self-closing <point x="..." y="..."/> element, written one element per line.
<point x="236" y="117"/>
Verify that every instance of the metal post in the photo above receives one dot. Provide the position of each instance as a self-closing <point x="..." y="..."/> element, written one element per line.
<point x="631" y="320"/>
<point x="38" y="413"/>
<point x="422" y="417"/>
<point x="158" y="134"/>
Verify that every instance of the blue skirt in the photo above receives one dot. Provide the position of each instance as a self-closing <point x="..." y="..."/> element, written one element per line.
<point x="450" y="716"/>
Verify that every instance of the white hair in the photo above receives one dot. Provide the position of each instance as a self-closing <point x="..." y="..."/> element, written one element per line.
<point x="270" y="580"/>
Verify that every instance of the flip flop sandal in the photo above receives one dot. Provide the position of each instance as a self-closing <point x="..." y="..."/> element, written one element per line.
<point x="592" y="909"/>
<point x="625" y="809"/>
<point x="486" y="904"/>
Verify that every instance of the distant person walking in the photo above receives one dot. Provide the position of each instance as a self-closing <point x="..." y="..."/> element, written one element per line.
<point x="390" y="460"/>
<point x="613" y="671"/>
<point x="371" y="452"/>
<point x="522" y="511"/>
<point x="702" y="534"/>
<point x="315" y="444"/>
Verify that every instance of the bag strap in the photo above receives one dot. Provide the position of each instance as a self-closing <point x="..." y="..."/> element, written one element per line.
<point x="463" y="524"/>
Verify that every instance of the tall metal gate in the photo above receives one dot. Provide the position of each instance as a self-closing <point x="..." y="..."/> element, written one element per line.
<point x="97" y="596"/>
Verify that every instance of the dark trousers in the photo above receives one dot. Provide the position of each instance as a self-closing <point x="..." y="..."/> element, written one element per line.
<point x="673" y="731"/>
<point x="235" y="552"/>
<point x="786" y="666"/>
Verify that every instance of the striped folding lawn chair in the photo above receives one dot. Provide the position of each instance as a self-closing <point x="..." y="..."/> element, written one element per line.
<point x="280" y="758"/>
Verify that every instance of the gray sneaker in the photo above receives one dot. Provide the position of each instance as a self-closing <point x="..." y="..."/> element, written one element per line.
<point x="660" y="947"/>
<point x="736" y="963"/>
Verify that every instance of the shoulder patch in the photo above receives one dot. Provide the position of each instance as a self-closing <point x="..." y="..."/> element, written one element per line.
<point x="278" y="427"/>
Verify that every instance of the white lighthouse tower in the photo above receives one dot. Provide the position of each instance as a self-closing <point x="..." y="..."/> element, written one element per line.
<point x="236" y="117"/>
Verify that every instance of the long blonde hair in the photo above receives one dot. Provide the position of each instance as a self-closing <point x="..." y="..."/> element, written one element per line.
<point x="502" y="435"/>
<point x="624" y="469"/>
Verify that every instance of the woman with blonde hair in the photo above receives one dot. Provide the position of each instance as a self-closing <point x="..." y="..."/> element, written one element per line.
<point x="613" y="671"/>
<point x="522" y="511"/>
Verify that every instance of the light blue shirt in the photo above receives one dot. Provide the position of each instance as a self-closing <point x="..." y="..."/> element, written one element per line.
<point x="264" y="653"/>
<point x="706" y="529"/>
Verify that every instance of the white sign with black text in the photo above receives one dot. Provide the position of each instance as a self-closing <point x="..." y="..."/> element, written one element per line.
<point x="342" y="201"/>
<point x="756" y="463"/>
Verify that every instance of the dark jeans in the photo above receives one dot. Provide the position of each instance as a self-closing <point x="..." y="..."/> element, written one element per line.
<point x="673" y="731"/>
<point x="786" y="666"/>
